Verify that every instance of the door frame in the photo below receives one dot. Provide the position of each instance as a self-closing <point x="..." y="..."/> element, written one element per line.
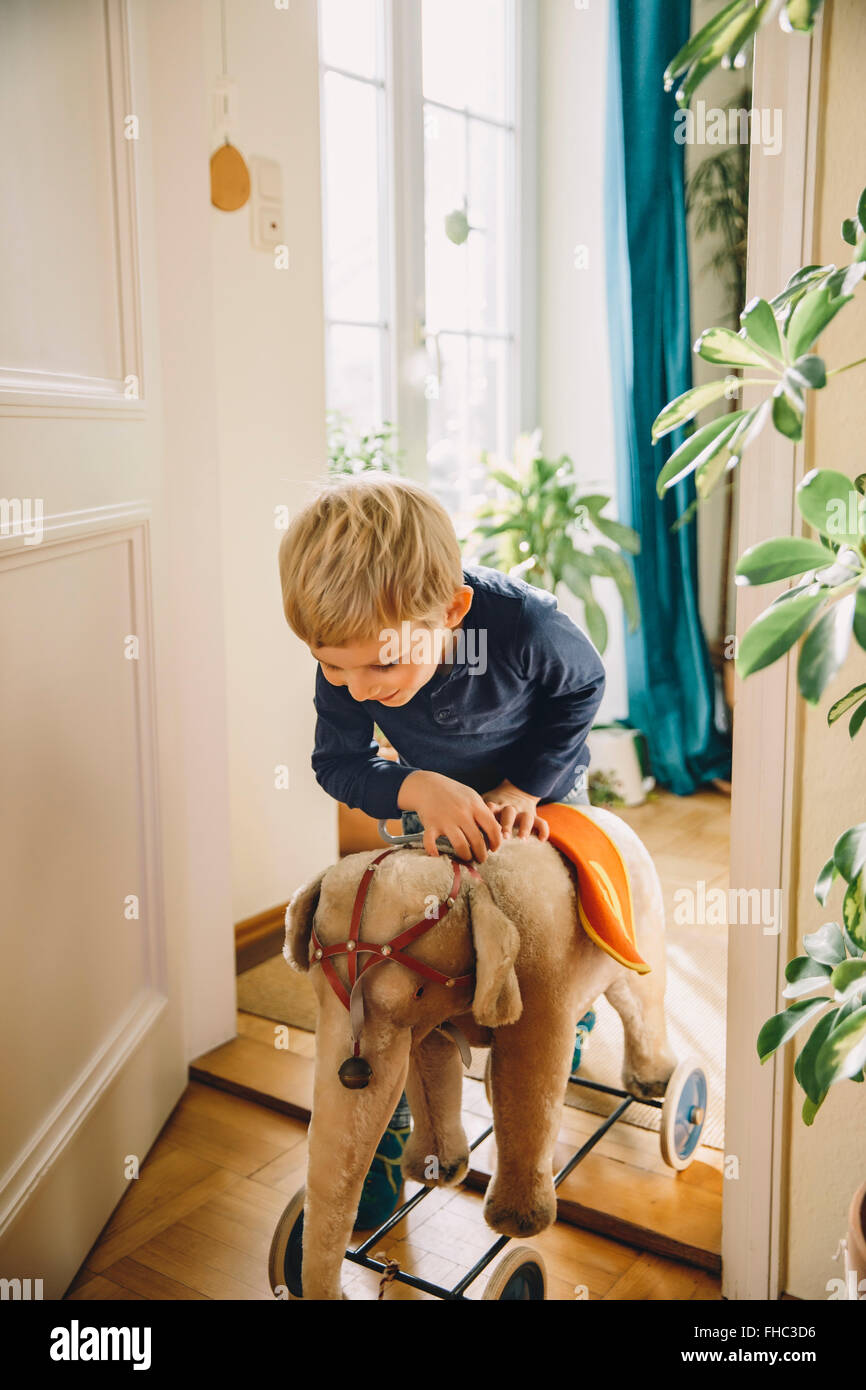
<point x="765" y="810"/>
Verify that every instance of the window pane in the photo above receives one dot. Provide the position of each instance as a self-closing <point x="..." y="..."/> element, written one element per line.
<point x="351" y="199"/>
<point x="469" y="416"/>
<point x="465" y="54"/>
<point x="467" y="165"/>
<point x="349" y="35"/>
<point x="355" y="373"/>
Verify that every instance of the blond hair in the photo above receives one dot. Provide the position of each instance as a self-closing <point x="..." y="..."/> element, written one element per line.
<point x="370" y="551"/>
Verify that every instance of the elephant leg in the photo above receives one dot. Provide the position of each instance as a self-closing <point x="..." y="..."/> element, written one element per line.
<point x="437" y="1153"/>
<point x="344" y="1132"/>
<point x="530" y="1065"/>
<point x="647" y="1059"/>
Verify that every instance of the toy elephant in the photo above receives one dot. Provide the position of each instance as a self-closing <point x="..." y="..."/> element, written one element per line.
<point x="513" y="968"/>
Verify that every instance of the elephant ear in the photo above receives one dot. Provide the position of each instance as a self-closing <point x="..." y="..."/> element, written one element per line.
<point x="497" y="942"/>
<point x="299" y="923"/>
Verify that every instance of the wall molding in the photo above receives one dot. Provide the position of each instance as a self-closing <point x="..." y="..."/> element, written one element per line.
<point x="124" y="524"/>
<point x="28" y="392"/>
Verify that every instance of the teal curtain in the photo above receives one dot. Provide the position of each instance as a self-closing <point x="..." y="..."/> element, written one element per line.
<point x="670" y="679"/>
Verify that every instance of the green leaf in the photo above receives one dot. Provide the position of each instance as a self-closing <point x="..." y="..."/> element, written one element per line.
<point x="849" y="979"/>
<point x="843" y="1053"/>
<point x="775" y="630"/>
<point x="506" y="480"/>
<point x="861" y="209"/>
<point x="779" y="559"/>
<point x="804" y="974"/>
<point x="860" y="614"/>
<point x="825" y="649"/>
<point x="810" y="1108"/>
<point x="845" y="280"/>
<point x="823" y="498"/>
<point x="623" y="536"/>
<point x="851" y="945"/>
<point x="810" y="317"/>
<point x="804" y="1067"/>
<point x="699" y="42"/>
<point x="849" y="851"/>
<point x="854" y="696"/>
<point x="802" y="14"/>
<point x="787" y="418"/>
<point x="808" y="371"/>
<point x="806" y="278"/>
<point x="760" y="327"/>
<point x="778" y="1029"/>
<point x="824" y="881"/>
<point x="849" y="230"/>
<point x="854" y="911"/>
<point x="727" y="349"/>
<point x="698" y="449"/>
<point x="684" y="407"/>
<point x="825" y="945"/>
<point x="596" y="624"/>
<point x="857" y="719"/>
<point x="616" y="567"/>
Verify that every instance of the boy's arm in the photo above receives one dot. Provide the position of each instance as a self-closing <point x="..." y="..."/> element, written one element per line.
<point x="346" y="756"/>
<point x="554" y="652"/>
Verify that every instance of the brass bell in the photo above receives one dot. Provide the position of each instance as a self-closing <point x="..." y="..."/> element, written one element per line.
<point x="355" y="1073"/>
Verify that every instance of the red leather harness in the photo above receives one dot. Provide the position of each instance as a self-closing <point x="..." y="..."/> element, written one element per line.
<point x="394" y="950"/>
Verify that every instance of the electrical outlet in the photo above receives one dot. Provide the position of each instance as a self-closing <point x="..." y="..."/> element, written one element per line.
<point x="266" y="203"/>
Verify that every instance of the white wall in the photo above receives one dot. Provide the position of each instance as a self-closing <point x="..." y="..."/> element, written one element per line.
<point x="269" y="351"/>
<point x="574" y="388"/>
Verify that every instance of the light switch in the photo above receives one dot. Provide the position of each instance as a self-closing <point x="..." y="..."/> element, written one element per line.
<point x="266" y="203"/>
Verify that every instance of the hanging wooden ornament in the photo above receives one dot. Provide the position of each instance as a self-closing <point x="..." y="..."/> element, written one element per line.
<point x="229" y="175"/>
<point x="229" y="178"/>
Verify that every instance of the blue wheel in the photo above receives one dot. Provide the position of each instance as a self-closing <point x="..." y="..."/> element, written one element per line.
<point x="286" y="1253"/>
<point x="684" y="1113"/>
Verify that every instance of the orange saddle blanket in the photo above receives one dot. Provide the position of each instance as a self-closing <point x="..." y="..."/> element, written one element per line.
<point x="604" y="890"/>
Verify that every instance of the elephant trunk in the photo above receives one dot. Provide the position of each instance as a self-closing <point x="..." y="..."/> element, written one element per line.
<point x="344" y="1133"/>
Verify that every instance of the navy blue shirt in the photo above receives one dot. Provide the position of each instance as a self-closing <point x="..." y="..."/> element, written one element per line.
<point x="516" y="704"/>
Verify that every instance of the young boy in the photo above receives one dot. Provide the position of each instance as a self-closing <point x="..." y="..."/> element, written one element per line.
<point x="485" y="689"/>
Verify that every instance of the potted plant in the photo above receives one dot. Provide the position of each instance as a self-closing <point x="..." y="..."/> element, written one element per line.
<point x="542" y="527"/>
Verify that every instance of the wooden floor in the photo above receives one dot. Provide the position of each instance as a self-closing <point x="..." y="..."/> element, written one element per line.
<point x="198" y="1221"/>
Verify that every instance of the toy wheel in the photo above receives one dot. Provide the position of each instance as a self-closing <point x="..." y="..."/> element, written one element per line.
<point x="683" y="1114"/>
<point x="284" y="1259"/>
<point x="520" y="1276"/>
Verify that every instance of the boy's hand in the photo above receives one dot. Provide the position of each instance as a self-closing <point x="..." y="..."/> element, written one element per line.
<point x="449" y="808"/>
<point x="515" y="811"/>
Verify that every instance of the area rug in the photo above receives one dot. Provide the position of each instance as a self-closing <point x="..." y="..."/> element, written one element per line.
<point x="695" y="1003"/>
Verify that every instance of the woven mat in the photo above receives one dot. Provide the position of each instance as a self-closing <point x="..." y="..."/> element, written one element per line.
<point x="695" y="1001"/>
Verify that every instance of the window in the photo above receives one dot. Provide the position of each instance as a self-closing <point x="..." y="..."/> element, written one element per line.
<point x="356" y="183"/>
<point x="423" y="321"/>
<point x="469" y="183"/>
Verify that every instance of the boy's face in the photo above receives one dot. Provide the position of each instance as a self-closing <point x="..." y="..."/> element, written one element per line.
<point x="393" y="666"/>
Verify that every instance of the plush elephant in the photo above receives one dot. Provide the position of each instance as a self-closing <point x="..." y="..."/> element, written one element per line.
<point x="535" y="973"/>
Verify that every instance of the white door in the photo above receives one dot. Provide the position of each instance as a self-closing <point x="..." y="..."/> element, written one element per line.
<point x="92" y="1055"/>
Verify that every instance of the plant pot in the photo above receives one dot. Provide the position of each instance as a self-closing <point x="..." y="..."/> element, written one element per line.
<point x="856" y="1254"/>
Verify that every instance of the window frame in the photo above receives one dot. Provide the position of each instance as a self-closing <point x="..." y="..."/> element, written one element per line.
<point x="402" y="262"/>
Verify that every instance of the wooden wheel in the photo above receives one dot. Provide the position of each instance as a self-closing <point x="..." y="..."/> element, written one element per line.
<point x="284" y="1259"/>
<point x="519" y="1277"/>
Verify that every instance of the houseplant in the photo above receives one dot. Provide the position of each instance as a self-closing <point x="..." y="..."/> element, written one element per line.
<point x="544" y="529"/>
<point x="358" y="451"/>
